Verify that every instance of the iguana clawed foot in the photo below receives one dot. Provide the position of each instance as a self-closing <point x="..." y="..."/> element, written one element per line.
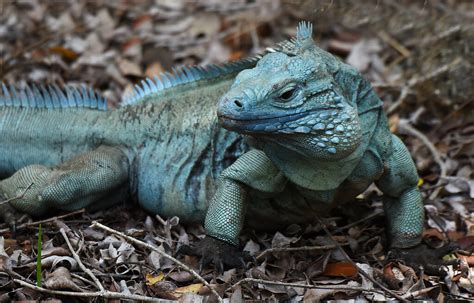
<point x="427" y="257"/>
<point x="8" y="214"/>
<point x="217" y="252"/>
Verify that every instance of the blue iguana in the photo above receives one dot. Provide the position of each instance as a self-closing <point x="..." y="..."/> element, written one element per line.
<point x="301" y="133"/>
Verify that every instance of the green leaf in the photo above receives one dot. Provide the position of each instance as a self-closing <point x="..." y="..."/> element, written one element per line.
<point x="38" y="257"/>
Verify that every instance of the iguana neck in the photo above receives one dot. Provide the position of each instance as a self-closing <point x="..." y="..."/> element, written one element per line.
<point x="166" y="114"/>
<point x="312" y="174"/>
<point x="318" y="174"/>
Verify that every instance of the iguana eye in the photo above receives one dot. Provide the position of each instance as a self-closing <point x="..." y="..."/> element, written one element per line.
<point x="288" y="94"/>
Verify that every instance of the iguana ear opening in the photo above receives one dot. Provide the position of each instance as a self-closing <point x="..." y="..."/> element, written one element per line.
<point x="304" y="40"/>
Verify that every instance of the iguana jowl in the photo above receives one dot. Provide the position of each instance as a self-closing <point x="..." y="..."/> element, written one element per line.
<point x="306" y="132"/>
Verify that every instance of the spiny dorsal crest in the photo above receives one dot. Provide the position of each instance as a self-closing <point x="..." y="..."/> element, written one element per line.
<point x="304" y="40"/>
<point x="188" y="74"/>
<point x="50" y="97"/>
<point x="299" y="44"/>
<point x="185" y="75"/>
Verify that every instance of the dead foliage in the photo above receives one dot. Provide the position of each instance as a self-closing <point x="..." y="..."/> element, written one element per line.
<point x="418" y="56"/>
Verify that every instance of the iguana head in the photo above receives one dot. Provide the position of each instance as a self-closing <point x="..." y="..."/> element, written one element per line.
<point x="291" y="98"/>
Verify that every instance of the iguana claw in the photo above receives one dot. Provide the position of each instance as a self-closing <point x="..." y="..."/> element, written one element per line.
<point x="217" y="252"/>
<point x="9" y="215"/>
<point x="427" y="257"/>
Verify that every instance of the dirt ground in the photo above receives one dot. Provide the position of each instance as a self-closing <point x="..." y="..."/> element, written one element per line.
<point x="419" y="57"/>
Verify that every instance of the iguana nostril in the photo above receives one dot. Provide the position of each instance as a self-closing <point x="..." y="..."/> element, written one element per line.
<point x="238" y="103"/>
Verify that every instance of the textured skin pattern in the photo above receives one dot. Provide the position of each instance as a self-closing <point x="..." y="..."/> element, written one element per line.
<point x="73" y="184"/>
<point x="170" y="153"/>
<point x="403" y="199"/>
<point x="320" y="123"/>
<point x="225" y="217"/>
<point x="318" y="133"/>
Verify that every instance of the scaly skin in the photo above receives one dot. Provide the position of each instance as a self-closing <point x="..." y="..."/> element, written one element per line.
<point x="315" y="135"/>
<point x="166" y="147"/>
<point x="320" y="138"/>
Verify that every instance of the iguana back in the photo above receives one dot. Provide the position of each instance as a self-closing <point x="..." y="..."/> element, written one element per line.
<point x="47" y="125"/>
<point x="167" y="131"/>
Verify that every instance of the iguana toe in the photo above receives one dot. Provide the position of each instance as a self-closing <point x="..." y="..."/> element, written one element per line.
<point x="217" y="252"/>
<point x="427" y="257"/>
<point x="10" y="216"/>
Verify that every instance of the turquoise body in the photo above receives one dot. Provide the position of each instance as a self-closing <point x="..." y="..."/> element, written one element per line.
<point x="302" y="132"/>
<point x="174" y="146"/>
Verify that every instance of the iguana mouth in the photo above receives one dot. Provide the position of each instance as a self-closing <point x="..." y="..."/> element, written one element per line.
<point x="262" y="123"/>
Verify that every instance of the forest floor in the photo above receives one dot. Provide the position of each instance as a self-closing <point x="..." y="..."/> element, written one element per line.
<point x="418" y="55"/>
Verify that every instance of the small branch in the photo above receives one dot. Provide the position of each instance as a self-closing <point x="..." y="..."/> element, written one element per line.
<point x="407" y="88"/>
<point x="372" y="215"/>
<point x="394" y="43"/>
<point x="83" y="279"/>
<point x="435" y="73"/>
<point x="79" y="262"/>
<point x="17" y="197"/>
<point x="289" y="249"/>
<point x="163" y="254"/>
<point x="36" y="223"/>
<point x="333" y="287"/>
<point x="421" y="292"/>
<point x="359" y="271"/>
<point x="167" y="229"/>
<point x="410" y="130"/>
<point x="160" y="219"/>
<point x="105" y="294"/>
<point x="395" y="105"/>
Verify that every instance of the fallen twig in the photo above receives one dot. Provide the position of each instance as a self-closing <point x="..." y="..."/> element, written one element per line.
<point x="167" y="229"/>
<point x="410" y="130"/>
<point x="413" y="295"/>
<point x="332" y="287"/>
<point x="17" y="197"/>
<point x="407" y="88"/>
<point x="372" y="215"/>
<point x="101" y="294"/>
<point x="395" y="105"/>
<point x="394" y="43"/>
<point x="79" y="262"/>
<point x="36" y="223"/>
<point x="149" y="246"/>
<point x="359" y="271"/>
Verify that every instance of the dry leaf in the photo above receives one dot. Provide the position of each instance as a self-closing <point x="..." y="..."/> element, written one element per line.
<point x="399" y="276"/>
<point x="193" y="288"/>
<point x="191" y="298"/>
<point x="154" y="69"/>
<point x="317" y="295"/>
<point x="433" y="233"/>
<point x="64" y="52"/>
<point x="164" y="289"/>
<point x="251" y="247"/>
<point x="236" y="296"/>
<point x="340" y="269"/>
<point x="182" y="276"/>
<point x="129" y="68"/>
<point x="362" y="52"/>
<point x="280" y="240"/>
<point x="60" y="279"/>
<point x="317" y="267"/>
<point x="466" y="243"/>
<point x="151" y="280"/>
<point x="5" y="261"/>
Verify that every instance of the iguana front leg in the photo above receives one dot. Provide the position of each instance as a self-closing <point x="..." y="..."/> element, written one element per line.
<point x="226" y="213"/>
<point x="253" y="170"/>
<point x="405" y="215"/>
<point x="79" y="182"/>
<point x="403" y="204"/>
